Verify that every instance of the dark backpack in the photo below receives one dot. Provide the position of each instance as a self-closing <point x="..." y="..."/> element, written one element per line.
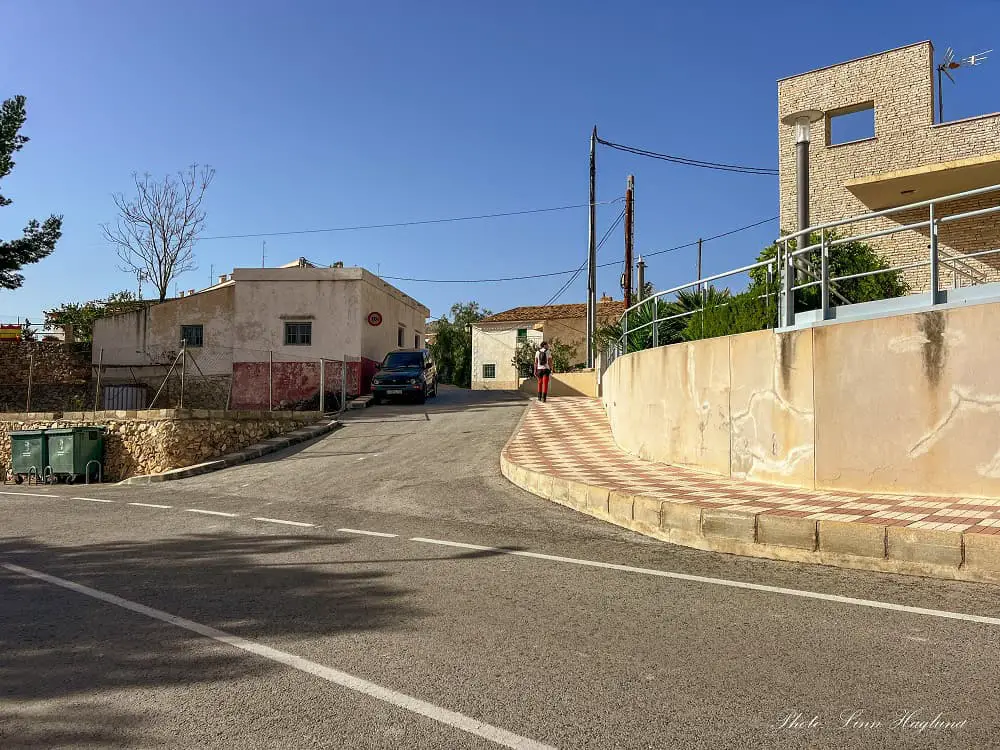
<point x="543" y="358"/>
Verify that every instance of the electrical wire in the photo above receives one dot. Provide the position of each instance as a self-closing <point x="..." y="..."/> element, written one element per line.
<point x="573" y="278"/>
<point x="719" y="166"/>
<point x="709" y="239"/>
<point x="577" y="270"/>
<point x="420" y="222"/>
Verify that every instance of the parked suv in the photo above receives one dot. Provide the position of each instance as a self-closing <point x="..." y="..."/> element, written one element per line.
<point x="405" y="373"/>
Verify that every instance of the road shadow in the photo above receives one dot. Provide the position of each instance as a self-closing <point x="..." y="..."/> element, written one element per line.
<point x="62" y="653"/>
<point x="58" y="647"/>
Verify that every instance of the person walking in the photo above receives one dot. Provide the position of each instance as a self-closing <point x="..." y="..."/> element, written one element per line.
<point x="543" y="368"/>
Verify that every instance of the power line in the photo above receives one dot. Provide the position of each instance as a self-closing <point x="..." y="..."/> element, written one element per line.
<point x="719" y="166"/>
<point x="583" y="265"/>
<point x="713" y="237"/>
<point x="420" y="222"/>
<point x="577" y="270"/>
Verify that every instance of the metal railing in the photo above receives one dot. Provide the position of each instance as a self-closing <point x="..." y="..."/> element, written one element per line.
<point x="828" y="240"/>
<point x="656" y="303"/>
<point x="793" y="264"/>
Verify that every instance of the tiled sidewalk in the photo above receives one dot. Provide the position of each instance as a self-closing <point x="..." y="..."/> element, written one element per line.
<point x="570" y="438"/>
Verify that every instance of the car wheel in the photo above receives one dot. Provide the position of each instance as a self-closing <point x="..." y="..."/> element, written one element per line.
<point x="376" y="400"/>
<point x="422" y="398"/>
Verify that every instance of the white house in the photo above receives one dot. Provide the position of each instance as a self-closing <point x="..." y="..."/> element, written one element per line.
<point x="495" y="339"/>
<point x="281" y="319"/>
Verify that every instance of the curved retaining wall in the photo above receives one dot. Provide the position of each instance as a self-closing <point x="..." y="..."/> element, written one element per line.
<point x="907" y="404"/>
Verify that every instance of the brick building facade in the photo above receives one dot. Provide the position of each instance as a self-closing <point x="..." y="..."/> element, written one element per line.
<point x="908" y="158"/>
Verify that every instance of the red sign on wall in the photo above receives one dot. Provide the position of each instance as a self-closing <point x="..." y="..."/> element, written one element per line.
<point x="374" y="319"/>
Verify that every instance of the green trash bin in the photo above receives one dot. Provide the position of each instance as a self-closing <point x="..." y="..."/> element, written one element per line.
<point x="73" y="449"/>
<point x="28" y="453"/>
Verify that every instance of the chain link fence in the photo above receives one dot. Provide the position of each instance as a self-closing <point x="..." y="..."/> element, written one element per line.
<point x="197" y="377"/>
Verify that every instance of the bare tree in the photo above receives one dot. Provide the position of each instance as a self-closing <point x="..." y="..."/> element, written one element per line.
<point x="157" y="229"/>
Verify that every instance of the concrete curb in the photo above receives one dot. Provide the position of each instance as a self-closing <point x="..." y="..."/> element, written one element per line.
<point x="862" y="546"/>
<point x="249" y="453"/>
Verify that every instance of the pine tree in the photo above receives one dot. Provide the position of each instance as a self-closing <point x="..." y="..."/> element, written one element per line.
<point x="39" y="239"/>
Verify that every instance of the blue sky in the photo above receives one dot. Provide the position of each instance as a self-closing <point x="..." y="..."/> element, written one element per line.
<point x="326" y="114"/>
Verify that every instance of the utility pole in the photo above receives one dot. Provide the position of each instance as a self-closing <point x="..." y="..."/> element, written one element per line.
<point x="640" y="292"/>
<point x="699" y="264"/>
<point x="263" y="247"/>
<point x="629" y="238"/>
<point x="592" y="253"/>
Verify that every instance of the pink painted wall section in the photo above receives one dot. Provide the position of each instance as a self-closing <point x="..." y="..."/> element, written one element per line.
<point x="294" y="382"/>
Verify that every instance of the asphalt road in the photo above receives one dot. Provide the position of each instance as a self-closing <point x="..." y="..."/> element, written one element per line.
<point x="471" y="614"/>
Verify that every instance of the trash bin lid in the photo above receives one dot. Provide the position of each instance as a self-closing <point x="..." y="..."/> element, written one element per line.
<point x="83" y="429"/>
<point x="26" y="433"/>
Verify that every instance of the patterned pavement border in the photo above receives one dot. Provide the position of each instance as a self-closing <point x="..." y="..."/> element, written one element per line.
<point x="568" y="441"/>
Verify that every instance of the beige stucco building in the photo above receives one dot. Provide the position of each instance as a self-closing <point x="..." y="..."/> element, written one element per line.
<point x="907" y="157"/>
<point x="495" y="339"/>
<point x="292" y="315"/>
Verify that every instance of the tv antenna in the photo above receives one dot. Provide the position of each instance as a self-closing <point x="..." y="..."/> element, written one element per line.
<point x="948" y="64"/>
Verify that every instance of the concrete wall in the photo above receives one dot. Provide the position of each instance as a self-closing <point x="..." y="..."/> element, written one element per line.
<point x="155" y="331"/>
<point x="296" y="384"/>
<point x="907" y="404"/>
<point x="900" y="82"/>
<point x="570" y="331"/>
<point x="398" y="311"/>
<point x="671" y="404"/>
<point x="267" y="299"/>
<point x="580" y="383"/>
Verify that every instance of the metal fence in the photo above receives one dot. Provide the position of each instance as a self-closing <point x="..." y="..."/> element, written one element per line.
<point x="655" y="321"/>
<point x="794" y="250"/>
<point x="226" y="378"/>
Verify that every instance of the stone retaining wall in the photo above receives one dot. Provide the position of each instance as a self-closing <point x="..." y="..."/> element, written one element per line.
<point x="60" y="375"/>
<point x="157" y="440"/>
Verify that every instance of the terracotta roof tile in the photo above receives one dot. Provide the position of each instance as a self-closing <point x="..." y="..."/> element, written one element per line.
<point x="555" y="312"/>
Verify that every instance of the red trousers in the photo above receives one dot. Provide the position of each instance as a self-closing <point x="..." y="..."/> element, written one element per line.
<point x="543" y="382"/>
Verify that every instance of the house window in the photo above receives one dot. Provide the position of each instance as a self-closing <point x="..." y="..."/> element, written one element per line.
<point x="193" y="335"/>
<point x="854" y="123"/>
<point x="489" y="372"/>
<point x="416" y="341"/>
<point x="298" y="334"/>
<point x="400" y="334"/>
<point x="522" y="335"/>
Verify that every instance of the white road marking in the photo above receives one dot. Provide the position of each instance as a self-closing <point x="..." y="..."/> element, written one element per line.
<point x="726" y="582"/>
<point x="151" y="505"/>
<point x="368" y="533"/>
<point x="92" y="499"/>
<point x="28" y="494"/>
<point x="400" y="700"/>
<point x="212" y="512"/>
<point x="287" y="523"/>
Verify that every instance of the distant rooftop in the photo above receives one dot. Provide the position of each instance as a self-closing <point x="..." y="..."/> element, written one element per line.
<point x="605" y="308"/>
